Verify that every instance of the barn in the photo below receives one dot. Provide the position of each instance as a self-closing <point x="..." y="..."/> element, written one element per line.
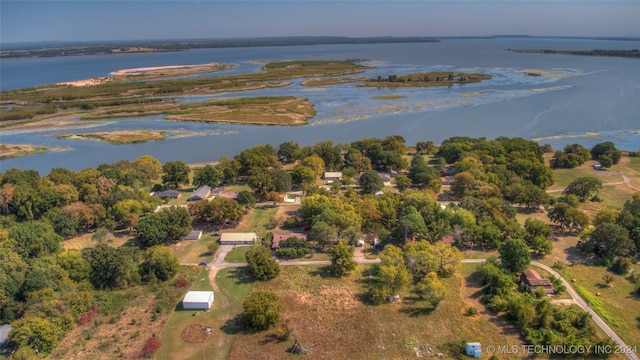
<point x="197" y="300"/>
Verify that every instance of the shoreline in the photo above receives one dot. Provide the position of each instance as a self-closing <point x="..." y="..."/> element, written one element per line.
<point x="149" y="72"/>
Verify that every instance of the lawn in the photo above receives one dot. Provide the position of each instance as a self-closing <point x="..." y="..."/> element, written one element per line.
<point x="322" y="312"/>
<point x="237" y="255"/>
<point x="258" y="220"/>
<point x="194" y="252"/>
<point x="233" y="288"/>
<point x="85" y="241"/>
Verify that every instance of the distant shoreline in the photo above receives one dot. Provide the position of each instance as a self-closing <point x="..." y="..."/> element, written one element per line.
<point x="629" y="54"/>
<point x="150" y="47"/>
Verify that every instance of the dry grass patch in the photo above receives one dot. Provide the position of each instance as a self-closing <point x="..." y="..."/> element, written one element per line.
<point x="8" y="151"/>
<point x="330" y="81"/>
<point x="329" y="317"/>
<point x="283" y="110"/>
<point x="119" y="137"/>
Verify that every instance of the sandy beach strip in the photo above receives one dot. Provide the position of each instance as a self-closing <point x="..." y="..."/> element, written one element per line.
<point x="138" y="71"/>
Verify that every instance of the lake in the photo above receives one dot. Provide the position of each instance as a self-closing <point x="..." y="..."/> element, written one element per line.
<point x="577" y="99"/>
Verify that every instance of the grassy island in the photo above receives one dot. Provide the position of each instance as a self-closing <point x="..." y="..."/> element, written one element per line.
<point x="119" y="137"/>
<point x="330" y="81"/>
<point x="8" y="151"/>
<point x="282" y="110"/>
<point x="441" y="78"/>
<point x="124" y="98"/>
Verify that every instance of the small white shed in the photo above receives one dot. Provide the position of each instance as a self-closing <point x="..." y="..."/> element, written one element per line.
<point x="197" y="300"/>
<point x="474" y="349"/>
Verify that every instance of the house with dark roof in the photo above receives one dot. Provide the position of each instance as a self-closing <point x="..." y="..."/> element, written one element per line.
<point x="200" y="193"/>
<point x="532" y="280"/>
<point x="277" y="238"/>
<point x="167" y="194"/>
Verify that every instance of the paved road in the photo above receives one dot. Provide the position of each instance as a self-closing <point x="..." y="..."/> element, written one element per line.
<point x="218" y="263"/>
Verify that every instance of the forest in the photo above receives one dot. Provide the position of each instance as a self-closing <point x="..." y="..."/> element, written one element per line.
<point x="46" y="291"/>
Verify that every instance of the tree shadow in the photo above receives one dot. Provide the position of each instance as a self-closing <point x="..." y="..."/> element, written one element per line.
<point x="323" y="271"/>
<point x="638" y="320"/>
<point x="234" y="326"/>
<point x="415" y="310"/>
<point x="602" y="286"/>
<point x="241" y="276"/>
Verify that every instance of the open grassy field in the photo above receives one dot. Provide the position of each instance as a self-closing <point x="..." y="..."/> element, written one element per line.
<point x="329" y="317"/>
<point x="330" y="81"/>
<point x="619" y="304"/>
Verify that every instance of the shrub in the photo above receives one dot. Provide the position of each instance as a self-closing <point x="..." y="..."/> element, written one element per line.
<point x="88" y="316"/>
<point x="621" y="265"/>
<point x="182" y="283"/>
<point x="150" y="347"/>
<point x="470" y="311"/>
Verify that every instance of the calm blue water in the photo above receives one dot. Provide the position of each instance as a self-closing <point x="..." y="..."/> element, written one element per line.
<point x="575" y="96"/>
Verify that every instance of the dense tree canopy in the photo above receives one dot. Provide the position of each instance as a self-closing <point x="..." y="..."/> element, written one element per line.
<point x="261" y="264"/>
<point x="261" y="310"/>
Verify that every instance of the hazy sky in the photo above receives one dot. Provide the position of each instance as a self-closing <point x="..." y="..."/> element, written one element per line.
<point x="46" y="20"/>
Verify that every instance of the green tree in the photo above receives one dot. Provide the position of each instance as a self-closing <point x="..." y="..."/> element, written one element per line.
<point x="246" y="199"/>
<point x="261" y="264"/>
<point x="583" y="187"/>
<point x="76" y="266"/>
<point x="287" y="151"/>
<point x="293" y="247"/>
<point x="514" y="255"/>
<point x="175" y="173"/>
<point x="303" y="175"/>
<point x="35" y="333"/>
<point x="261" y="310"/>
<point x="608" y="241"/>
<point x="431" y="289"/>
<point x="424" y="176"/>
<point x="568" y="217"/>
<point x="34" y="239"/>
<point x="113" y="267"/>
<point x="281" y="180"/>
<point x="342" y="262"/>
<point x="606" y="153"/>
<point x="410" y="225"/>
<point x="260" y="181"/>
<point x="370" y="182"/>
<point x="403" y="182"/>
<point x="161" y="262"/>
<point x="323" y="233"/>
<point x="393" y="272"/>
<point x="208" y="175"/>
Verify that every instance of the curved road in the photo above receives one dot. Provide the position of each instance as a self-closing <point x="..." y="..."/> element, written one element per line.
<point x="219" y="263"/>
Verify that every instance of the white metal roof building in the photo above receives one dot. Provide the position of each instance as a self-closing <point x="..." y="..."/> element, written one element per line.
<point x="197" y="300"/>
<point x="238" y="238"/>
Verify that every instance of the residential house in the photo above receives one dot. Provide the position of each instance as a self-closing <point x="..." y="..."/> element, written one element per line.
<point x="532" y="280"/>
<point x="167" y="194"/>
<point x="200" y="193"/>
